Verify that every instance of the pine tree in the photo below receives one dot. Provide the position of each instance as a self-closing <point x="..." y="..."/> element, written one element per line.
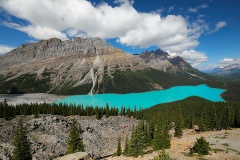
<point x="165" y="138"/>
<point x="75" y="143"/>
<point x="230" y="116"/>
<point x="97" y="112"/>
<point x="192" y="122"/>
<point x="156" y="142"/>
<point x="107" y="111"/>
<point x="201" y="124"/>
<point x="142" y="135"/>
<point x="213" y="118"/>
<point x="179" y="124"/>
<point x="125" y="152"/>
<point x="161" y="138"/>
<point x="135" y="112"/>
<point x="135" y="146"/>
<point x="224" y="120"/>
<point x="119" y="150"/>
<point x="6" y="110"/>
<point x="201" y="147"/>
<point x="22" y="147"/>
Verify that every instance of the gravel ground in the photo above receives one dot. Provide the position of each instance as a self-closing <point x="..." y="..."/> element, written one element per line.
<point x="30" y="98"/>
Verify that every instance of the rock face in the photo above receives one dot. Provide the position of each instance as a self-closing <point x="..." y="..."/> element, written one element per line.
<point x="72" y="63"/>
<point x="48" y="135"/>
<point x="162" y="61"/>
<point x="80" y="66"/>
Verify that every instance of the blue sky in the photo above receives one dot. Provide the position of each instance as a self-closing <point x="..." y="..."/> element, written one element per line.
<point x="205" y="32"/>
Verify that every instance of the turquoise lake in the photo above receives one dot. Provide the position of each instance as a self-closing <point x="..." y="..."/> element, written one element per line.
<point x="146" y="99"/>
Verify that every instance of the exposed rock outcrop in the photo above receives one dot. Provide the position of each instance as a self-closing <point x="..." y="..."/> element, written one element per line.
<point x="48" y="134"/>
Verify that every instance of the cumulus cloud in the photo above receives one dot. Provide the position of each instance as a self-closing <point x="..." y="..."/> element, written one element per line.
<point x="191" y="56"/>
<point x="194" y="57"/>
<point x="4" y="49"/>
<point x="196" y="9"/>
<point x="37" y="32"/>
<point x="69" y="18"/>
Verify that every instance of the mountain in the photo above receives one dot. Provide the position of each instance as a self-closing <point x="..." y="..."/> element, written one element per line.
<point x="231" y="72"/>
<point x="90" y="65"/>
<point x="162" y="61"/>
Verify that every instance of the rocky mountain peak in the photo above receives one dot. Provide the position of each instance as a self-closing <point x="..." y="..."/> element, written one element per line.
<point x="150" y="55"/>
<point x="161" y="60"/>
<point x="54" y="47"/>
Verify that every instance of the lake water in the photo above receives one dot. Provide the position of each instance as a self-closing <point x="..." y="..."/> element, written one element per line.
<point x="146" y="99"/>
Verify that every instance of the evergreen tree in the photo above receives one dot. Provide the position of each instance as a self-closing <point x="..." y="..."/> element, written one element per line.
<point x="135" y="112"/>
<point x="125" y="152"/>
<point x="156" y="142"/>
<point x="224" y="119"/>
<point x="119" y="149"/>
<point x="161" y="138"/>
<point x="107" y="111"/>
<point x="192" y="122"/>
<point x="74" y="143"/>
<point x="179" y="123"/>
<point x="165" y="138"/>
<point x="213" y="118"/>
<point x="135" y="146"/>
<point x="201" y="147"/>
<point x="142" y="135"/>
<point x="6" y="110"/>
<point x="230" y="116"/>
<point x="162" y="156"/>
<point x="201" y="123"/>
<point x="22" y="147"/>
<point x="97" y="112"/>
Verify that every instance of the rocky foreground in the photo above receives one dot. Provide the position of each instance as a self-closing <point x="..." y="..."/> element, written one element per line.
<point x="48" y="134"/>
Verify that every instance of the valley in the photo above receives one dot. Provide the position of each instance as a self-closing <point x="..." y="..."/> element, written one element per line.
<point x="112" y="94"/>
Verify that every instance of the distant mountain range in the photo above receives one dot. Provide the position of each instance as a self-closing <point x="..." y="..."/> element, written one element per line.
<point x="232" y="72"/>
<point x="89" y="66"/>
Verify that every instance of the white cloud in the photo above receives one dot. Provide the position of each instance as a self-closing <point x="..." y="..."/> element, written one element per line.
<point x="191" y="56"/>
<point x="37" y="32"/>
<point x="220" y="25"/>
<point x="222" y="63"/>
<point x="170" y="8"/>
<point x="196" y="9"/>
<point x="194" y="57"/>
<point x="68" y="18"/>
<point x="227" y="60"/>
<point x="4" y="49"/>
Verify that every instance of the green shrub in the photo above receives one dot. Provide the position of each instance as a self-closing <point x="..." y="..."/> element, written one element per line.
<point x="201" y="147"/>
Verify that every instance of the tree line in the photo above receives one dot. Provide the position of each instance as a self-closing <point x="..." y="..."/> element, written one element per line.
<point x="10" y="111"/>
<point x="192" y="111"/>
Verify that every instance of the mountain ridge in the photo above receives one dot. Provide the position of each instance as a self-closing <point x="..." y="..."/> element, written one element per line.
<point x="231" y="72"/>
<point x="86" y="66"/>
